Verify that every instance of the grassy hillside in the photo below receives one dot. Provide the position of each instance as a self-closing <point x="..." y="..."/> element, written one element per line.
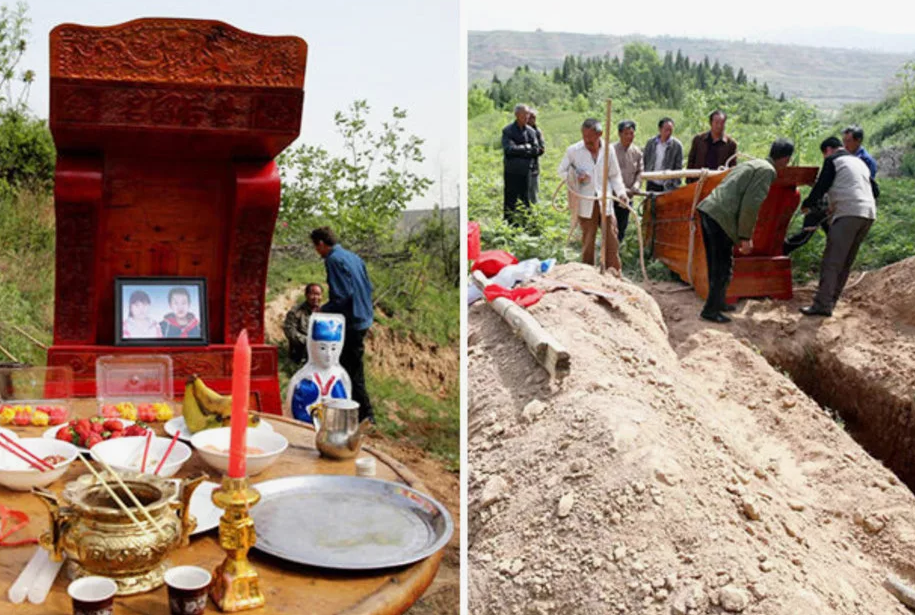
<point x="825" y="77"/>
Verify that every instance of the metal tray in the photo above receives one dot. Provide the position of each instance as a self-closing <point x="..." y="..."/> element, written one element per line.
<point x="348" y="522"/>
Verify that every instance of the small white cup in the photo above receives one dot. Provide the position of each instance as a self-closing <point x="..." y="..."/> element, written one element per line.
<point x="365" y="466"/>
<point x="93" y="595"/>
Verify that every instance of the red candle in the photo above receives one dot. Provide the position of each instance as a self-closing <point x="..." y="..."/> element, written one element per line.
<point x="241" y="384"/>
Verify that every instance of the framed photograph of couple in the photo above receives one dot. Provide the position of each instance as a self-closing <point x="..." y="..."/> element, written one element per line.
<point x="160" y="311"/>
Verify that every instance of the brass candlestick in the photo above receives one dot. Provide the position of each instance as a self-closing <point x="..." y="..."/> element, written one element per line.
<point x="235" y="583"/>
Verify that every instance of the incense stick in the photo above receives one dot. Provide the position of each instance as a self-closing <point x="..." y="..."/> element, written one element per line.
<point x="111" y="492"/>
<point x="131" y="496"/>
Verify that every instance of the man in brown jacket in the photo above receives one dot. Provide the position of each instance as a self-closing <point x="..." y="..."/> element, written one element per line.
<point x="712" y="149"/>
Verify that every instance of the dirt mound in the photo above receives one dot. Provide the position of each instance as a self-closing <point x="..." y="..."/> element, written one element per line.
<point x="889" y="292"/>
<point x="429" y="367"/>
<point x="649" y="482"/>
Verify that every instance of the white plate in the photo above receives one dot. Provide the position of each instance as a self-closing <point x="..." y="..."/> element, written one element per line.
<point x="177" y="424"/>
<point x="52" y="432"/>
<point x="203" y="508"/>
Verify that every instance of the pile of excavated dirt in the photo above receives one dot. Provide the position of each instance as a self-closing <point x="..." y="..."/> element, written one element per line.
<point x="651" y="480"/>
<point x="860" y="363"/>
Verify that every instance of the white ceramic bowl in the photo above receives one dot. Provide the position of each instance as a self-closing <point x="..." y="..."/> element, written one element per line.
<point x="272" y="443"/>
<point x="9" y="432"/>
<point x="17" y="475"/>
<point x="126" y="454"/>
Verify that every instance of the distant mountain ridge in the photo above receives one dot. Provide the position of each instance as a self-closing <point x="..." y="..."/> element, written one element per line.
<point x="825" y="77"/>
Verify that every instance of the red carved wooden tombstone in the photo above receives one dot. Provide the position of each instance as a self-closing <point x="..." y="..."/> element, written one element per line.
<point x="764" y="272"/>
<point x="166" y="131"/>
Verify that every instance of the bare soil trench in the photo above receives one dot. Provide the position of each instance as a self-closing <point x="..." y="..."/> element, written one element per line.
<point x="675" y="470"/>
<point x="860" y="363"/>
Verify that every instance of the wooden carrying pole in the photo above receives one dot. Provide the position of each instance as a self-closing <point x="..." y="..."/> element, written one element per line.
<point x="547" y="350"/>
<point x="609" y="243"/>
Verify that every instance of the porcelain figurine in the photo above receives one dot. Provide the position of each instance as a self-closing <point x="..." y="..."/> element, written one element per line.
<point x="322" y="377"/>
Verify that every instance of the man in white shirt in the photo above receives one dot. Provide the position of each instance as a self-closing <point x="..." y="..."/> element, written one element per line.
<point x="583" y="165"/>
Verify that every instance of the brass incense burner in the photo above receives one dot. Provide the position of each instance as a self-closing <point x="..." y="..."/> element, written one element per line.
<point x="100" y="539"/>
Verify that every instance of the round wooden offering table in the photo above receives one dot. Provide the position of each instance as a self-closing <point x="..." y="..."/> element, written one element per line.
<point x="288" y="587"/>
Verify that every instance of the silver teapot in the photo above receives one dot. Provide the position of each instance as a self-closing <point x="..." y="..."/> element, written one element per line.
<point x="339" y="432"/>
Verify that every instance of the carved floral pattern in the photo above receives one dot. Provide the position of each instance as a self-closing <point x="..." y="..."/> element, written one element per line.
<point x="177" y="51"/>
<point x="174" y="107"/>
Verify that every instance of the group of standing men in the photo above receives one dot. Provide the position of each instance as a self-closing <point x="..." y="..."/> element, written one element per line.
<point x="843" y="201"/>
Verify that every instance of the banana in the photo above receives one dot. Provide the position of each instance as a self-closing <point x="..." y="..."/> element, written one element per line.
<point x="211" y="401"/>
<point x="193" y="415"/>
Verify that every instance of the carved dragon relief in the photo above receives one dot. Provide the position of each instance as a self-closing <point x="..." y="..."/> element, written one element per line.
<point x="177" y="51"/>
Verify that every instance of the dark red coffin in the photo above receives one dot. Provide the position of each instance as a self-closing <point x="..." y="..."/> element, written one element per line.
<point x="166" y="133"/>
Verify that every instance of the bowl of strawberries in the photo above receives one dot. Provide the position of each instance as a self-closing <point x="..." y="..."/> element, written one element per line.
<point x="87" y="432"/>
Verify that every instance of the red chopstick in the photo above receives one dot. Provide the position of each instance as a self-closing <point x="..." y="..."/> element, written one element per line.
<point x="168" y="452"/>
<point x="146" y="451"/>
<point x="24" y="454"/>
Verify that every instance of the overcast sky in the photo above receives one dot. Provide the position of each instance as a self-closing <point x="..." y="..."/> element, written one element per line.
<point x="857" y="23"/>
<point x="402" y="53"/>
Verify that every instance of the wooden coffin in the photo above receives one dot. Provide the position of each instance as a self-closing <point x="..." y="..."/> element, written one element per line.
<point x="166" y="132"/>
<point x="763" y="273"/>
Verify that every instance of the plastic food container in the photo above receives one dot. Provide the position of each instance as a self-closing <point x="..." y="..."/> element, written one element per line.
<point x="135" y="387"/>
<point x="36" y="396"/>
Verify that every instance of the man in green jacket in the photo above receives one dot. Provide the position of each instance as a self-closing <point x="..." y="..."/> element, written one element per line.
<point x="728" y="216"/>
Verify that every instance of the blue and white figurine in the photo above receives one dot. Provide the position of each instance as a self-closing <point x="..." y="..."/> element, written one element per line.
<point x="322" y="377"/>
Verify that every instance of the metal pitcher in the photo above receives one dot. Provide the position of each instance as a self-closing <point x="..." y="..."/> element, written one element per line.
<point x="339" y="432"/>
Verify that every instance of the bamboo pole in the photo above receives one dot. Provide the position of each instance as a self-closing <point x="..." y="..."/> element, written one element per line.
<point x="660" y="176"/>
<point x="547" y="350"/>
<point x="603" y="197"/>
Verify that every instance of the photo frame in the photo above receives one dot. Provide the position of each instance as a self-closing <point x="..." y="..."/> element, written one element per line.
<point x="160" y="311"/>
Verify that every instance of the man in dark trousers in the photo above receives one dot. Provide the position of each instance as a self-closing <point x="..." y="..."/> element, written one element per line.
<point x="728" y="216"/>
<point x="534" y="191"/>
<point x="846" y="180"/>
<point x="712" y="149"/>
<point x="816" y="214"/>
<point x="350" y="294"/>
<point x="520" y="148"/>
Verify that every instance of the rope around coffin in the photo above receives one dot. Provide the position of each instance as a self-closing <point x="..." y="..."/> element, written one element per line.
<point x="627" y="205"/>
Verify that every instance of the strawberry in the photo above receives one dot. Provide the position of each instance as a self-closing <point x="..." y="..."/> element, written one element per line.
<point x="116" y="434"/>
<point x="57" y="415"/>
<point x="94" y="439"/>
<point x="97" y="427"/>
<point x="83" y="430"/>
<point x="64" y="434"/>
<point x="113" y="425"/>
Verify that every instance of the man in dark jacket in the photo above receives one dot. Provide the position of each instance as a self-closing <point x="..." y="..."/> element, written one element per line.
<point x="520" y="148"/>
<point x="846" y="180"/>
<point x="712" y="149"/>
<point x="295" y="326"/>
<point x="663" y="152"/>
<point x="535" y="164"/>
<point x="350" y="295"/>
<point x="728" y="216"/>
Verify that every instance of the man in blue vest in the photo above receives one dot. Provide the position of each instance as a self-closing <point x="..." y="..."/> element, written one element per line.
<point x="350" y="294"/>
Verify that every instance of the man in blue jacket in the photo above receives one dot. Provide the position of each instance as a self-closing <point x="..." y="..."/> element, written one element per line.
<point x="350" y="295"/>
